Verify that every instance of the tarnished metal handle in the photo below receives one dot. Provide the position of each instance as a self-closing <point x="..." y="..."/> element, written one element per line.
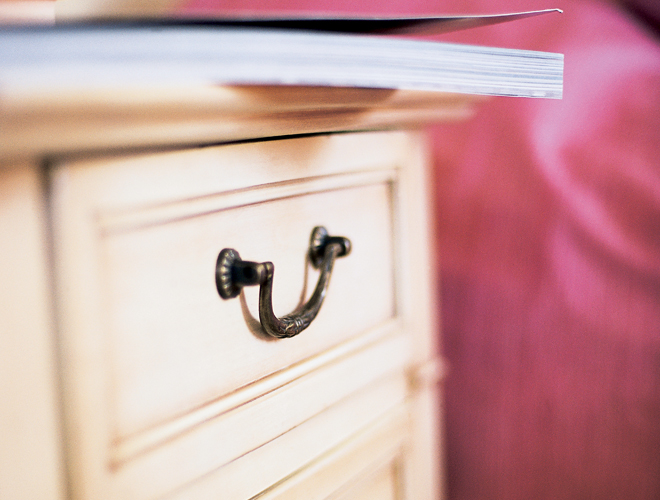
<point x="232" y="274"/>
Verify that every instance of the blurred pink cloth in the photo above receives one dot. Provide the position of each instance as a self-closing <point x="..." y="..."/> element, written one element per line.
<point x="549" y="232"/>
<point x="549" y="235"/>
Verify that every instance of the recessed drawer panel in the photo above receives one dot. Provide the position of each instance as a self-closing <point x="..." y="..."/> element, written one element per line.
<point x="175" y="344"/>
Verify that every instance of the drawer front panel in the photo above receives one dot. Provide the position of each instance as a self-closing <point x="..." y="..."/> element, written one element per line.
<point x="156" y="365"/>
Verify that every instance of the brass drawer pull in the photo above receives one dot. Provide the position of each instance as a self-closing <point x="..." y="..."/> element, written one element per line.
<point x="232" y="274"/>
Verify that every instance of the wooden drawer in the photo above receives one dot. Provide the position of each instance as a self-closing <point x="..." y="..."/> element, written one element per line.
<point x="156" y="366"/>
<point x="370" y="466"/>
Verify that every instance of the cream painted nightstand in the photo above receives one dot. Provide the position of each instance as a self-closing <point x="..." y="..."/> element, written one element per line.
<point x="124" y="374"/>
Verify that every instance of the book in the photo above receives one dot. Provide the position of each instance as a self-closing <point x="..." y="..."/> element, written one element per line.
<point x="384" y="24"/>
<point x="315" y="51"/>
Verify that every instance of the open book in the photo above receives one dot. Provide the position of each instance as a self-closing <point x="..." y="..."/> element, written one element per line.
<point x="314" y="51"/>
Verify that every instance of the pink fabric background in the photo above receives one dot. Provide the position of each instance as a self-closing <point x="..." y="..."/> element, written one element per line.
<point x="549" y="229"/>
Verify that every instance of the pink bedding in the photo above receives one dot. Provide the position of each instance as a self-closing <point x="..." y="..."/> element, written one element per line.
<point x="549" y="231"/>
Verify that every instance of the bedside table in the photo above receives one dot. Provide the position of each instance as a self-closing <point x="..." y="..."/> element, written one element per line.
<point x="137" y="380"/>
<point x="215" y="290"/>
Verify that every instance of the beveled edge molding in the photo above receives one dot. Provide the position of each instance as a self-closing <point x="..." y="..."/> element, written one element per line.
<point x="111" y="223"/>
<point x="365" y="453"/>
<point x="123" y="450"/>
<point x="360" y="411"/>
